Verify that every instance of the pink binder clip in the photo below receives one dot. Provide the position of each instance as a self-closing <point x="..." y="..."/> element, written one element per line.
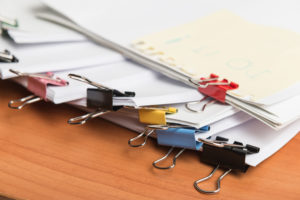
<point x="38" y="85"/>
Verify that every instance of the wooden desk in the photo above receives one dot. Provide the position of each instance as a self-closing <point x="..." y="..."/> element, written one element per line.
<point x="42" y="157"/>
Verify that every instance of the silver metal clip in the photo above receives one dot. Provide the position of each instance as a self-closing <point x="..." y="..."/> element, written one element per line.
<point x="220" y="144"/>
<point x="34" y="75"/>
<point x="197" y="82"/>
<point x="23" y="101"/>
<point x="146" y="133"/>
<point x="84" y="118"/>
<point x="6" y="56"/>
<point x="208" y="177"/>
<point x="165" y="157"/>
<point x="190" y="108"/>
<point x="88" y="81"/>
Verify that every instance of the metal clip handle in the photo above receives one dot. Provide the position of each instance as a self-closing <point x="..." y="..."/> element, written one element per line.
<point x="146" y="133"/>
<point x="23" y="102"/>
<point x="84" y="118"/>
<point x="208" y="177"/>
<point x="165" y="157"/>
<point x="88" y="81"/>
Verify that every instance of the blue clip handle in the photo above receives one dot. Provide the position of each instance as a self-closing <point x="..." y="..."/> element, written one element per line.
<point x="180" y="137"/>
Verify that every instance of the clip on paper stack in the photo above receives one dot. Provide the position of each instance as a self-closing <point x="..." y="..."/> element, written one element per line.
<point x="222" y="154"/>
<point x="153" y="115"/>
<point x="216" y="89"/>
<point x="155" y="118"/>
<point x="184" y="138"/>
<point x="7" y="57"/>
<point x="37" y="84"/>
<point x="99" y="98"/>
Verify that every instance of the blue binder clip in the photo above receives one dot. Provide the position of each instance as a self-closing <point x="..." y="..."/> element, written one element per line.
<point x="180" y="137"/>
<point x="150" y="130"/>
<point x="183" y="138"/>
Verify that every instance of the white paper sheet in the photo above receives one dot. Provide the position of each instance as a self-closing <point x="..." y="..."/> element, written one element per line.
<point x="151" y="88"/>
<point x="130" y="119"/>
<point x="31" y="29"/>
<point x="55" y="57"/>
<point x="123" y="21"/>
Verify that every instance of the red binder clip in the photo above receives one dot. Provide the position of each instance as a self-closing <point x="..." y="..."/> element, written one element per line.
<point x="38" y="85"/>
<point x="216" y="89"/>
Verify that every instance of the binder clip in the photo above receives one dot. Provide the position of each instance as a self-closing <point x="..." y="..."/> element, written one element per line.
<point x="183" y="138"/>
<point x="214" y="88"/>
<point x="100" y="98"/>
<point x="224" y="155"/>
<point x="155" y="117"/>
<point x="7" y="57"/>
<point x="4" y="21"/>
<point x="37" y="84"/>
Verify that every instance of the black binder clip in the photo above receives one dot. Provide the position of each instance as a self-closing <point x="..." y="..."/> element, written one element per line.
<point x="99" y="98"/>
<point x="221" y="154"/>
<point x="7" y="57"/>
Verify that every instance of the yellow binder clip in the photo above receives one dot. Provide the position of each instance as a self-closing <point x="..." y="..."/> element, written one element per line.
<point x="153" y="115"/>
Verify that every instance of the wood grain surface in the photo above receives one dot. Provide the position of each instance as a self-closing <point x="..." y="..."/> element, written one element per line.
<point x="42" y="157"/>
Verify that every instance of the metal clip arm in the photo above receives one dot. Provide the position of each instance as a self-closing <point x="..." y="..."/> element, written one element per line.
<point x="23" y="102"/>
<point x="146" y="133"/>
<point x="208" y="177"/>
<point x="84" y="118"/>
<point x="165" y="157"/>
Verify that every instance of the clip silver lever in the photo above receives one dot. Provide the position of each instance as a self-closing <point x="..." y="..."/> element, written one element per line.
<point x="88" y="81"/>
<point x="23" y="101"/>
<point x="149" y="130"/>
<point x="165" y="157"/>
<point x="146" y="133"/>
<point x="7" y="57"/>
<point x="84" y="118"/>
<point x="197" y="82"/>
<point x="33" y="75"/>
<point x="208" y="177"/>
<point x="190" y="108"/>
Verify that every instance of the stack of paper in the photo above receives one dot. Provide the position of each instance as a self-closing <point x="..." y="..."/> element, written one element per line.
<point x="145" y="71"/>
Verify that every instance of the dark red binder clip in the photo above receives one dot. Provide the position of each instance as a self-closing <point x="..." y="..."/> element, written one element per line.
<point x="215" y="88"/>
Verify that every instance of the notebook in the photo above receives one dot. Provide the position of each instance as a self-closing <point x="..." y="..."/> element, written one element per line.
<point x="254" y="56"/>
